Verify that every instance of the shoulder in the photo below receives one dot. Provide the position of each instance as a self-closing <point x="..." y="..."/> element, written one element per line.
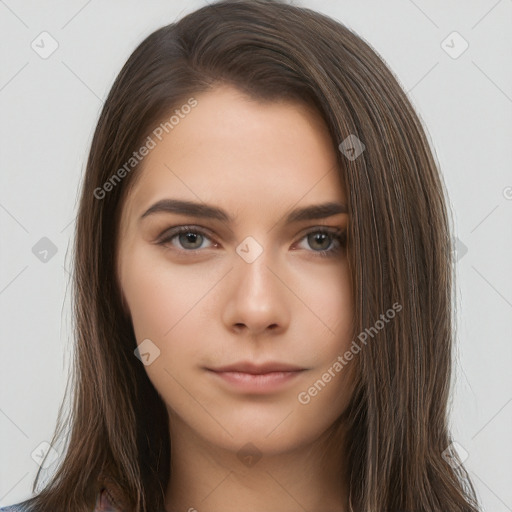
<point x="19" y="507"/>
<point x="104" y="503"/>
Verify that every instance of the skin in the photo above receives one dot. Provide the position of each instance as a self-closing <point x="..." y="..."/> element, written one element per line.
<point x="204" y="306"/>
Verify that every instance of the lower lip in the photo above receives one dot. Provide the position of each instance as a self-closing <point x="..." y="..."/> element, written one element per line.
<point x="257" y="383"/>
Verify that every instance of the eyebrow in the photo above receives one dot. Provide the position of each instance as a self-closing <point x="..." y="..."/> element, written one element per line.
<point x="202" y="210"/>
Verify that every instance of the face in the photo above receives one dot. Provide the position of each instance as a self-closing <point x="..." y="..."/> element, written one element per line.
<point x="237" y="286"/>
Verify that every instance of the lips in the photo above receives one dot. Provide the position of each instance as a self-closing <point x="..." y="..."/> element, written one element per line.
<point x="257" y="369"/>
<point x="262" y="379"/>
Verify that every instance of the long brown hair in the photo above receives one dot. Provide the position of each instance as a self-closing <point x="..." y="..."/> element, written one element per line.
<point x="399" y="250"/>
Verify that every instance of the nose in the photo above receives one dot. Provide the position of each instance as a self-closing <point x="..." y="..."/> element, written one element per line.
<point x="257" y="301"/>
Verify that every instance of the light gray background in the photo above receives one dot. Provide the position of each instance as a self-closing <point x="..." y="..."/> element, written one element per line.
<point x="49" y="110"/>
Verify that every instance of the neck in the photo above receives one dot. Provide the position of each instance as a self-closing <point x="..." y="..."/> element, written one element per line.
<point x="209" y="478"/>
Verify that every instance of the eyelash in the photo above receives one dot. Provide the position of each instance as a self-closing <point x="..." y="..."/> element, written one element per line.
<point x="338" y="235"/>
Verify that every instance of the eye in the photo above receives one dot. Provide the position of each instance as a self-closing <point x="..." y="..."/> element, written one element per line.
<point x="185" y="238"/>
<point x="326" y="242"/>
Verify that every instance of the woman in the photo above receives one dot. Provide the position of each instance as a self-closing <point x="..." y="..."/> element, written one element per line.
<point x="262" y="281"/>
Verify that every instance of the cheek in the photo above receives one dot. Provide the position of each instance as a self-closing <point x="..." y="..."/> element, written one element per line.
<point x="164" y="308"/>
<point x="328" y="308"/>
<point x="167" y="306"/>
<point x="158" y="294"/>
<point x="330" y="328"/>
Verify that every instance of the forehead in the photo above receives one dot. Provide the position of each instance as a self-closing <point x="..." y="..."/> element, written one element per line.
<point x="235" y="150"/>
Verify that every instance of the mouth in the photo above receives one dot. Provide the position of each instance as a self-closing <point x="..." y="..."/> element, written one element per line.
<point x="257" y="379"/>
<point x="257" y="369"/>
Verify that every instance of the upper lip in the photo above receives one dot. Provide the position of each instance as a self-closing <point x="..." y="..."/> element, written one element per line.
<point x="248" y="367"/>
